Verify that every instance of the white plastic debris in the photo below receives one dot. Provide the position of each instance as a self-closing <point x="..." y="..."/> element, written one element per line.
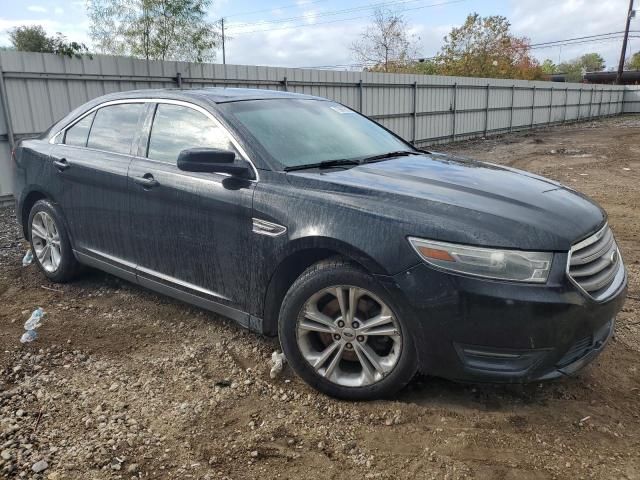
<point x="34" y="321"/>
<point x="277" y="364"/>
<point x="27" y="259"/>
<point x="28" y="336"/>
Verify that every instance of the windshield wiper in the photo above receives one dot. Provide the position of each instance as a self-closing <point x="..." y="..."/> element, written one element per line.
<point x="324" y="164"/>
<point x="399" y="153"/>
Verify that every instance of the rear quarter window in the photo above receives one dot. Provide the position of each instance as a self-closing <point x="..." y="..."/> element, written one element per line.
<point x="77" y="135"/>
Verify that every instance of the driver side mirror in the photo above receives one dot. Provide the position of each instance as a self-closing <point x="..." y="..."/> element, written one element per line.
<point x="213" y="160"/>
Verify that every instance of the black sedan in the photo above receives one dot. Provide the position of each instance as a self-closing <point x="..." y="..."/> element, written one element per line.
<point x="298" y="217"/>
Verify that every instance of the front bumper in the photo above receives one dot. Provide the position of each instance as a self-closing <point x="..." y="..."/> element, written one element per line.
<point x="475" y="329"/>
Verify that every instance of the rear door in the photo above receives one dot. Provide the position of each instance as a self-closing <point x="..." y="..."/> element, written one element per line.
<point x="192" y="231"/>
<point x="92" y="163"/>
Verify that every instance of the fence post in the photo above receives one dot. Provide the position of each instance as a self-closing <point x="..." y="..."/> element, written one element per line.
<point x="550" y="106"/>
<point x="285" y="84"/>
<point x="513" y="97"/>
<point x="533" y="107"/>
<point x="360" y="100"/>
<point x="5" y="108"/>
<point x="566" y="102"/>
<point x="179" y="79"/>
<point x="486" y="113"/>
<point x="415" y="111"/>
<point x="579" y="105"/>
<point x="455" y="107"/>
<point x="591" y="102"/>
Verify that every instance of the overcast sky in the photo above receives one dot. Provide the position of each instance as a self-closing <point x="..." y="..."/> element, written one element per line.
<point x="308" y="33"/>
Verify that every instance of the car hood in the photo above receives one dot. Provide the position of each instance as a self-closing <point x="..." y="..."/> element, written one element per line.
<point x="455" y="199"/>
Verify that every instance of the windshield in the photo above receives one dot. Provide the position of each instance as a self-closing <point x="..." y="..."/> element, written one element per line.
<point x="298" y="132"/>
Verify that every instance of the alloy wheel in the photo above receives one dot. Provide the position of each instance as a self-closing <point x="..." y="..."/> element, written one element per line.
<point x="45" y="239"/>
<point x="349" y="336"/>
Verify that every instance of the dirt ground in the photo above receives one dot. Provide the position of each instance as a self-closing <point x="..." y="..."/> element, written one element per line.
<point x="123" y="383"/>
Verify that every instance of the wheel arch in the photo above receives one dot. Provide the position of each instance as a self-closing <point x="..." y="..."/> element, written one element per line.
<point x="300" y="255"/>
<point x="27" y="204"/>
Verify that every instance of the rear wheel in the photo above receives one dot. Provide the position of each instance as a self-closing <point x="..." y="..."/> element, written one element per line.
<point x="50" y="242"/>
<point x="341" y="334"/>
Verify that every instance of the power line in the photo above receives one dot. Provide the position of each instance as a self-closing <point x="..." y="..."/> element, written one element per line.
<point x="283" y="7"/>
<point x="576" y="38"/>
<point x="330" y="13"/>
<point x="344" y="19"/>
<point x="595" y="40"/>
<point x="541" y="45"/>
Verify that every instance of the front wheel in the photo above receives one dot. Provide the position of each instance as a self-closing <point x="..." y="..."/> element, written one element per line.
<point x="341" y="334"/>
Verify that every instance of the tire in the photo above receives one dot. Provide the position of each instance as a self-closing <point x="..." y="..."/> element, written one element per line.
<point x="47" y="230"/>
<point x="305" y="336"/>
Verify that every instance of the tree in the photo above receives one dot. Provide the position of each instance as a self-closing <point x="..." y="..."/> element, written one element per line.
<point x="575" y="69"/>
<point x="592" y="62"/>
<point x="548" y="67"/>
<point x="34" y="39"/>
<point x="485" y="47"/>
<point x="154" y="29"/>
<point x="30" y="39"/>
<point x="386" y="45"/>
<point x="634" y="62"/>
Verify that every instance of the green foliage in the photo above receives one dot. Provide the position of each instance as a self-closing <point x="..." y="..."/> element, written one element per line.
<point x="425" y="67"/>
<point x="548" y="67"/>
<point x="485" y="47"/>
<point x="154" y="29"/>
<point x="593" y="62"/>
<point x="34" y="39"/>
<point x="575" y="69"/>
<point x="634" y="62"/>
<point x="30" y="39"/>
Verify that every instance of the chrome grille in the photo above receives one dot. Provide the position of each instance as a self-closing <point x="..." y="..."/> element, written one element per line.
<point x="595" y="263"/>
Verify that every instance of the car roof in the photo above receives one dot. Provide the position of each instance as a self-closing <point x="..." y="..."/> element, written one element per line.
<point x="210" y="95"/>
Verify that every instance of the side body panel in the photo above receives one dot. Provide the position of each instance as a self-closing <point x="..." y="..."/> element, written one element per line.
<point x="93" y="193"/>
<point x="193" y="231"/>
<point x="32" y="173"/>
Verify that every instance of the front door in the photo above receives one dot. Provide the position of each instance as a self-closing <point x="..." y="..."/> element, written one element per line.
<point x="192" y="231"/>
<point x="92" y="164"/>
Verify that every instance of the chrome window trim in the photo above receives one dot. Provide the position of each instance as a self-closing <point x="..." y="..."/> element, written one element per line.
<point x="619" y="277"/>
<point x="169" y="101"/>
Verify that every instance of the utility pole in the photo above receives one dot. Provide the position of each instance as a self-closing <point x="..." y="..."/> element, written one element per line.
<point x="224" y="59"/>
<point x="624" y="44"/>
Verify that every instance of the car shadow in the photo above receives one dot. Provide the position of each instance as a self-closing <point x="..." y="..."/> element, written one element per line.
<point x="432" y="391"/>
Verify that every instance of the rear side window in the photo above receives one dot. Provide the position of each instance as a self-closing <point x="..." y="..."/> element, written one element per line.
<point x="77" y="135"/>
<point x="176" y="128"/>
<point x="115" y="127"/>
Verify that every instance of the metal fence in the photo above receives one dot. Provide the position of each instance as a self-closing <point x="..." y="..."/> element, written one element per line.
<point x="37" y="89"/>
<point x="632" y="99"/>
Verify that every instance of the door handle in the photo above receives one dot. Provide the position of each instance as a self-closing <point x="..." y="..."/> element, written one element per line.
<point x="61" y="164"/>
<point x="146" y="181"/>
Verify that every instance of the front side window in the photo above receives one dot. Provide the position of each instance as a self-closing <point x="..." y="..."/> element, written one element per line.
<point x="176" y="128"/>
<point x="300" y="132"/>
<point x="115" y="127"/>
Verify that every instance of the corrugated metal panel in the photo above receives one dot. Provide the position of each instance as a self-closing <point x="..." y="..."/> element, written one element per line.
<point x="632" y="100"/>
<point x="44" y="87"/>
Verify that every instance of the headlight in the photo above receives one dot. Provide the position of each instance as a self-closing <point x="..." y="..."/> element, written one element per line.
<point x="513" y="265"/>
